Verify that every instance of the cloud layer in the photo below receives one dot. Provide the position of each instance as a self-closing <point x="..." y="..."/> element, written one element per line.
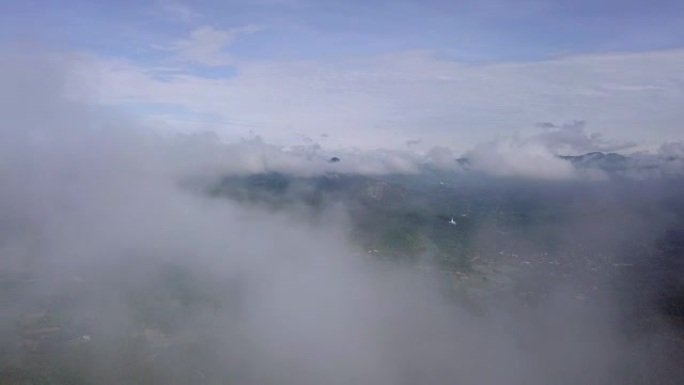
<point x="97" y="217"/>
<point x="387" y="100"/>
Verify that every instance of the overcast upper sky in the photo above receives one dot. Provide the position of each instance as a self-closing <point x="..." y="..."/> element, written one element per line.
<point x="373" y="73"/>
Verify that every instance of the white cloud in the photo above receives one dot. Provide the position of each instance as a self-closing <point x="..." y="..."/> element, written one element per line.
<point x="207" y="45"/>
<point x="442" y="158"/>
<point x="671" y="156"/>
<point x="92" y="216"/>
<point x="672" y="150"/>
<point x="666" y="161"/>
<point x="573" y="139"/>
<point x="512" y="157"/>
<point x="386" y="100"/>
<point x="536" y="157"/>
<point x="205" y="153"/>
<point x="177" y="11"/>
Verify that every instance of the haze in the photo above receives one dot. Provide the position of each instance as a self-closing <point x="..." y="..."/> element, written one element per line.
<point x="390" y="212"/>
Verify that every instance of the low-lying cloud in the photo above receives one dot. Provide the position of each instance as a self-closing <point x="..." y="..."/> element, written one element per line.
<point x="99" y="220"/>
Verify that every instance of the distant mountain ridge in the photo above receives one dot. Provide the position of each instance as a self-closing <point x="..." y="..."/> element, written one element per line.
<point x="609" y="162"/>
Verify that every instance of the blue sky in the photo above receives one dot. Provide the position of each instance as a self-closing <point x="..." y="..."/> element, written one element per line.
<point x="372" y="73"/>
<point x="485" y="30"/>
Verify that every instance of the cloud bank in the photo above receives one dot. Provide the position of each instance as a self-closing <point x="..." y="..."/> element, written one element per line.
<point x="389" y="99"/>
<point x="96" y="216"/>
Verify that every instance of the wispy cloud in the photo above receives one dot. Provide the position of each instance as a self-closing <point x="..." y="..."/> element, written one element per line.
<point x="514" y="157"/>
<point x="572" y="138"/>
<point x="177" y="11"/>
<point x="208" y="45"/>
<point x="390" y="99"/>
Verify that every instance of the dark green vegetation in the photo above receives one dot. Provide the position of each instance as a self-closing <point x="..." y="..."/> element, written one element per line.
<point x="391" y="218"/>
<point x="432" y="218"/>
<point x="520" y="234"/>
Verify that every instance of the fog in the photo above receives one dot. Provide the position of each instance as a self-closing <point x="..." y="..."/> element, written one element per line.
<point x="173" y="286"/>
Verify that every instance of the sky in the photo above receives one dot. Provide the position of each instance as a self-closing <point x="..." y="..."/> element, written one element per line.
<point x="359" y="74"/>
